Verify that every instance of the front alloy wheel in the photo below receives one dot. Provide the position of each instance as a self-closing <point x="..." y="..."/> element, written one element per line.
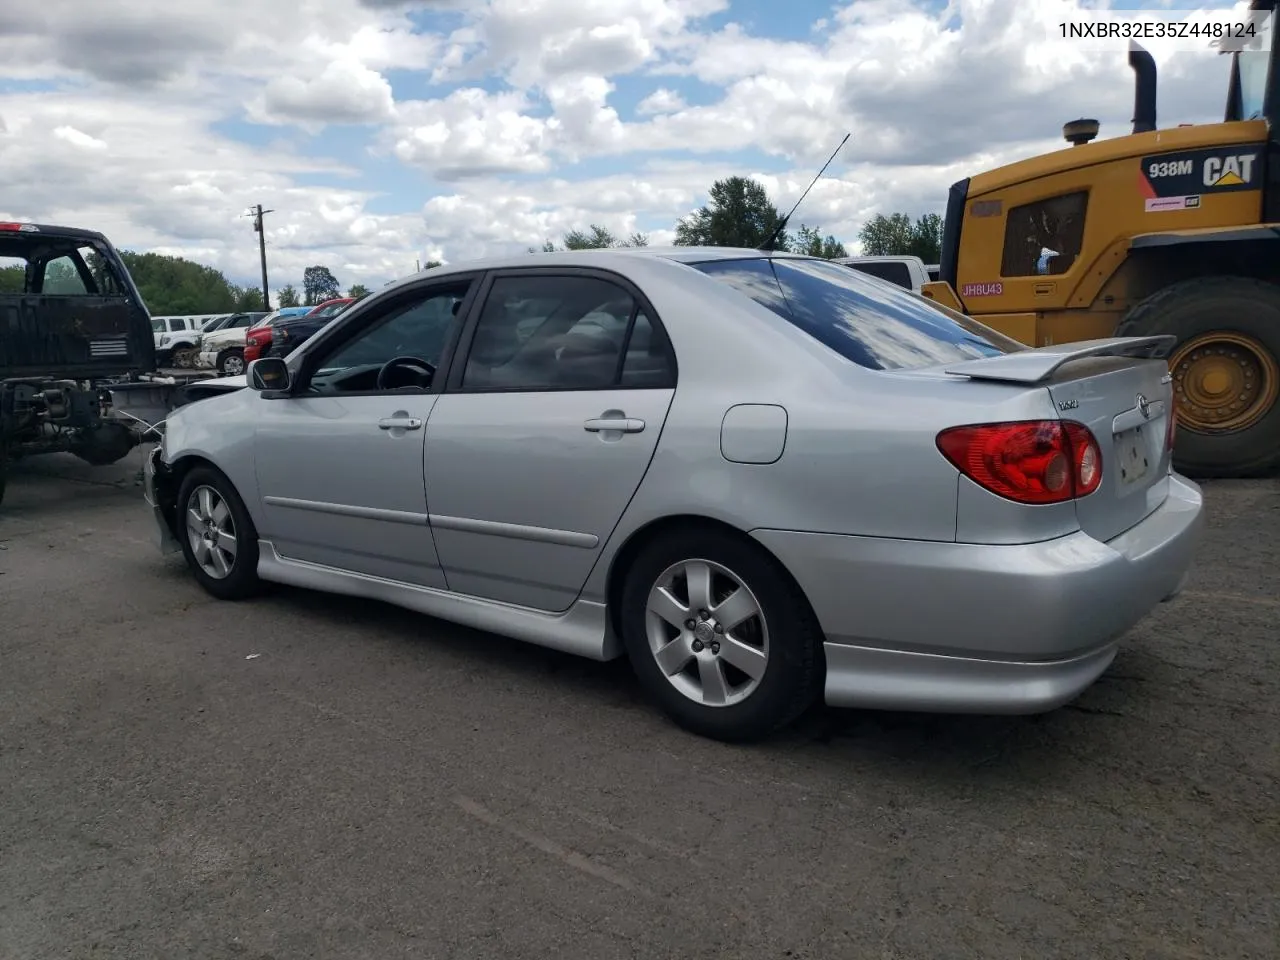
<point x="232" y="363"/>
<point x="211" y="531"/>
<point x="220" y="543"/>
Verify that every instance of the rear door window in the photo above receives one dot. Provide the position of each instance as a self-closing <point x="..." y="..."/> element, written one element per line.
<point x="61" y="278"/>
<point x="872" y="324"/>
<point x="65" y="275"/>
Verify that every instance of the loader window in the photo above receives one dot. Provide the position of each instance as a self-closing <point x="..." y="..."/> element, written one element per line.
<point x="1044" y="238"/>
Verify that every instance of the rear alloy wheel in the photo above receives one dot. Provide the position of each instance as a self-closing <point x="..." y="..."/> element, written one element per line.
<point x="719" y="637"/>
<point x="231" y="362"/>
<point x="217" y="535"/>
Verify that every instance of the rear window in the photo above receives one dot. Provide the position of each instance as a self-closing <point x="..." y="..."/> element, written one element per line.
<point x="885" y="270"/>
<point x="872" y="324"/>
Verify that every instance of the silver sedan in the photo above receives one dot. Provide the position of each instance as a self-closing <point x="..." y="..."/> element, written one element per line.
<point x="764" y="478"/>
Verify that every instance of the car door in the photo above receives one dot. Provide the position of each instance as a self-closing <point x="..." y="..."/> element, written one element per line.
<point x="547" y="425"/>
<point x="340" y="461"/>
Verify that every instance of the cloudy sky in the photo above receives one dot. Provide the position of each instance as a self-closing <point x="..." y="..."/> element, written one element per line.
<point x="381" y="131"/>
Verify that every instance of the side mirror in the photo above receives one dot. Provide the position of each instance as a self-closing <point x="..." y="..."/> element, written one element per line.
<point x="270" y="377"/>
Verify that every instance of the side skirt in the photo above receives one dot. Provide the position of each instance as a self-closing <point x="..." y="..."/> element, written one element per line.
<point x="583" y="630"/>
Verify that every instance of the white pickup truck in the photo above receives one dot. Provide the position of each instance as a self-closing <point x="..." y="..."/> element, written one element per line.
<point x="176" y="338"/>
<point x="909" y="272"/>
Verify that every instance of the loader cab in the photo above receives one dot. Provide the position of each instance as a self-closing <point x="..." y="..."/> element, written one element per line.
<point x="1165" y="228"/>
<point x="1253" y="92"/>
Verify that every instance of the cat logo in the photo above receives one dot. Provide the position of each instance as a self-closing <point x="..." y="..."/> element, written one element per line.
<point x="1230" y="171"/>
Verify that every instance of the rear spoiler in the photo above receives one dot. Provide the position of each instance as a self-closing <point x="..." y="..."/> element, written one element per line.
<point x="1039" y="363"/>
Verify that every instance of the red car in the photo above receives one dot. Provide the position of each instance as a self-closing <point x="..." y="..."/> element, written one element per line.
<point x="331" y="307"/>
<point x="257" y="341"/>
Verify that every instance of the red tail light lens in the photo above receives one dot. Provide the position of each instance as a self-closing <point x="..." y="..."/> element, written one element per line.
<point x="1029" y="461"/>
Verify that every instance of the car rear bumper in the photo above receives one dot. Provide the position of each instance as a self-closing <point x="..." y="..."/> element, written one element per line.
<point x="958" y="627"/>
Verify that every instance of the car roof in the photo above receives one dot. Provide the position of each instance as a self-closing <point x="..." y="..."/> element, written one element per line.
<point x="601" y="257"/>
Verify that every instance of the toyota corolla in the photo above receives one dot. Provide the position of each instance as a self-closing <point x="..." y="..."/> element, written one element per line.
<point x="764" y="478"/>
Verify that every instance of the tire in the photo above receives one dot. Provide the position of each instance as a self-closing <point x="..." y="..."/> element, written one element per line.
<point x="233" y="356"/>
<point x="1236" y="307"/>
<point x="181" y="356"/>
<point x="791" y="676"/>
<point x="240" y="581"/>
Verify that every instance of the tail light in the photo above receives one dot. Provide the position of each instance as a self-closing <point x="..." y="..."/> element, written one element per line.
<point x="1028" y="461"/>
<point x="1171" y="426"/>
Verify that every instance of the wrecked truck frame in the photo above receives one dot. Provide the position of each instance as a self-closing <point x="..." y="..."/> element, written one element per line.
<point x="77" y="357"/>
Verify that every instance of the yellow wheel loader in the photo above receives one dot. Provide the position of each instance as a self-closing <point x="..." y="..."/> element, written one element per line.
<point x="1173" y="231"/>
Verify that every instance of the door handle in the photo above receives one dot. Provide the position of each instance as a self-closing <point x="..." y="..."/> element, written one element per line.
<point x="400" y="423"/>
<point x="621" y="424"/>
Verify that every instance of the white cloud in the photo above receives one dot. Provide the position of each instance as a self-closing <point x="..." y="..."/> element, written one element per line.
<point x="168" y="184"/>
<point x="661" y="101"/>
<point x="471" y="133"/>
<point x="468" y="139"/>
<point x="344" y="91"/>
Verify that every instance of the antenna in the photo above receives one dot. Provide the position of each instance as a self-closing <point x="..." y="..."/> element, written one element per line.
<point x="782" y="224"/>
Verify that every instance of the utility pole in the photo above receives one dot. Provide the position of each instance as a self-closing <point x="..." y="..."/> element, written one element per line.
<point x="262" y="253"/>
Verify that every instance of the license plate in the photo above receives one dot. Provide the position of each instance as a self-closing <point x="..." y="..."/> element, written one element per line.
<point x="1134" y="454"/>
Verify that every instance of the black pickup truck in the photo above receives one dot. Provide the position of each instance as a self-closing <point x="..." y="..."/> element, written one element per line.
<point x="76" y="349"/>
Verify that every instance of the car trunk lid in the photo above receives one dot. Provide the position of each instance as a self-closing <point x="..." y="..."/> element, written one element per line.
<point x="1119" y="390"/>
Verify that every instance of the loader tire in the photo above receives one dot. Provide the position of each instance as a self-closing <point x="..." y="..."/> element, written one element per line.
<point x="1226" y="372"/>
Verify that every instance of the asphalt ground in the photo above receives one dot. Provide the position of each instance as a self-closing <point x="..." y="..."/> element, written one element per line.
<point x="307" y="776"/>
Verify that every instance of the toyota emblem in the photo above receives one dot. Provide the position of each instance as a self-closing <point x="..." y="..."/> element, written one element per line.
<point x="1144" y="407"/>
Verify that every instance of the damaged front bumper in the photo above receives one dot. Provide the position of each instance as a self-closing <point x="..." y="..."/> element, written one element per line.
<point x="151" y="469"/>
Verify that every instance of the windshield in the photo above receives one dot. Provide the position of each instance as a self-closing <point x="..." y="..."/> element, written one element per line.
<point x="1254" y="63"/>
<point x="869" y="321"/>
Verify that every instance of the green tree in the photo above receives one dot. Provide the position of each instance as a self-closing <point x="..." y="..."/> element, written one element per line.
<point x="810" y="241"/>
<point x="287" y="296"/>
<point x="175" y="285"/>
<point x="594" y="237"/>
<point x="928" y="237"/>
<point x="739" y="214"/>
<point x="248" y="299"/>
<point x="896" y="236"/>
<point x="319" y="285"/>
<point x="13" y="279"/>
<point x="358" y="290"/>
<point x="432" y="263"/>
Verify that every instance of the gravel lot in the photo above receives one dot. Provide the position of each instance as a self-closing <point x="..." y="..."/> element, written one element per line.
<point x="304" y="776"/>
